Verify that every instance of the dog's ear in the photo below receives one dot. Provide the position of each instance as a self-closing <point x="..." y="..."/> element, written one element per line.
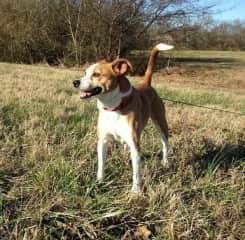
<point x="121" y="66"/>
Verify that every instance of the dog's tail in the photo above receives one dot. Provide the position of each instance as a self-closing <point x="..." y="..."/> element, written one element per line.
<point x="152" y="59"/>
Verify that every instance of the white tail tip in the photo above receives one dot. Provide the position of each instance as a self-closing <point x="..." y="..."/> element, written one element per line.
<point x="164" y="47"/>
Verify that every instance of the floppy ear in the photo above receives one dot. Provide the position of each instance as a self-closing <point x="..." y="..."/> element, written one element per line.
<point x="121" y="66"/>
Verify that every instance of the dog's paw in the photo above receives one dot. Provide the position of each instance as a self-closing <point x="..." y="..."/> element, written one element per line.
<point x="100" y="178"/>
<point x="135" y="189"/>
<point x="165" y="163"/>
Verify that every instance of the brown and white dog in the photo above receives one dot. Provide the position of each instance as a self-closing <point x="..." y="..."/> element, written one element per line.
<point x="124" y="109"/>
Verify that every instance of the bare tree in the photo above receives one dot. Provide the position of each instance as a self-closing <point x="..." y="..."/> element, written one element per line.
<point x="83" y="30"/>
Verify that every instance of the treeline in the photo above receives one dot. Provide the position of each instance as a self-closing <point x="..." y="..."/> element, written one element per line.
<point x="78" y="31"/>
<point x="211" y="35"/>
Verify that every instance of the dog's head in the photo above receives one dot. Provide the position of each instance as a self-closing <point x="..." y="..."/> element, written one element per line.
<point x="102" y="77"/>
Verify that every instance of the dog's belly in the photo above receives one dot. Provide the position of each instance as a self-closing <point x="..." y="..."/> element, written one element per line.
<point x="115" y="126"/>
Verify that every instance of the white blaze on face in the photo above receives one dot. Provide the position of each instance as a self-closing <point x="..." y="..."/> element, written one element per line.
<point x="86" y="80"/>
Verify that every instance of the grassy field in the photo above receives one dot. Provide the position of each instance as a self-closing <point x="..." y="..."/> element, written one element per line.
<point x="48" y="157"/>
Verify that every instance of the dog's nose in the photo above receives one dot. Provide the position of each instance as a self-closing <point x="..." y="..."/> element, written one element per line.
<point x="76" y="83"/>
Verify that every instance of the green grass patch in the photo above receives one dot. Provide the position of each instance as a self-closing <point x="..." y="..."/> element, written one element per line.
<point x="48" y="161"/>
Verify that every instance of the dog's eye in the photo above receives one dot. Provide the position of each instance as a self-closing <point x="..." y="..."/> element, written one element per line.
<point x="96" y="74"/>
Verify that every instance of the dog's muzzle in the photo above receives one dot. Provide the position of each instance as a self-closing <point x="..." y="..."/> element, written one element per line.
<point x="90" y="92"/>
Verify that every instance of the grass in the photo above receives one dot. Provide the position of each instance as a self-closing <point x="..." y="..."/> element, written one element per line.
<point x="48" y="160"/>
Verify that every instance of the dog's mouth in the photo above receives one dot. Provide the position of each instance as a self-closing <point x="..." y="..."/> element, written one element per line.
<point x="90" y="93"/>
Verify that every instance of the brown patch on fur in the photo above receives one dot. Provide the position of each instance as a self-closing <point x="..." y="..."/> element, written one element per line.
<point x="107" y="78"/>
<point x="124" y="84"/>
<point x="145" y="103"/>
<point x="110" y="79"/>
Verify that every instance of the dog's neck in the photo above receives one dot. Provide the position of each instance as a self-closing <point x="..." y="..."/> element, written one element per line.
<point x="114" y="98"/>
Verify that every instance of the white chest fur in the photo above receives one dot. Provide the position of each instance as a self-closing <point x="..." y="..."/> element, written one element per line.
<point x="115" y="125"/>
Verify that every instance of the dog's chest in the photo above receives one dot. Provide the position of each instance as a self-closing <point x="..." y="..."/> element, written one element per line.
<point x="113" y="124"/>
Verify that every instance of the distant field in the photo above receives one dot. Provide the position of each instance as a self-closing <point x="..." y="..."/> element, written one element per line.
<point x="203" y="56"/>
<point x="211" y="58"/>
<point x="197" y="59"/>
<point x="48" y="157"/>
<point x="235" y="55"/>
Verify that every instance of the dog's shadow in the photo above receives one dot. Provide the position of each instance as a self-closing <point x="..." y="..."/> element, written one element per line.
<point x="211" y="159"/>
<point x="8" y="178"/>
<point x="218" y="157"/>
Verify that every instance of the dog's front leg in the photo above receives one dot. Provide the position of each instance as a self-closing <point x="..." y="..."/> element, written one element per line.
<point x="102" y="152"/>
<point x="135" y="157"/>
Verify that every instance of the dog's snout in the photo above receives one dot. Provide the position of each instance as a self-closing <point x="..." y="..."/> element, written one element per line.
<point x="76" y="83"/>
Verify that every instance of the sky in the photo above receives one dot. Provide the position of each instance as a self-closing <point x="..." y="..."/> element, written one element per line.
<point x="226" y="10"/>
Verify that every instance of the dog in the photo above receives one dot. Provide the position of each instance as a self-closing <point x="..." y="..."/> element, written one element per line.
<point x="124" y="109"/>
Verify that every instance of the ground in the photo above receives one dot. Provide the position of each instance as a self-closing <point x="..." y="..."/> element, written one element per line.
<point x="48" y="157"/>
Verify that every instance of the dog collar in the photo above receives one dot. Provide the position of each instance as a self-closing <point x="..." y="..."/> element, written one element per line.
<point x="126" y="98"/>
<point x="125" y="101"/>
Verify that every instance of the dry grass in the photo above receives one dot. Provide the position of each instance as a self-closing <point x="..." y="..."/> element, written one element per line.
<point x="48" y="161"/>
<point x="232" y="78"/>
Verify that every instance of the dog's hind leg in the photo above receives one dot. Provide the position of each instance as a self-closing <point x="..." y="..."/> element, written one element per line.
<point x="159" y="119"/>
<point x="164" y="142"/>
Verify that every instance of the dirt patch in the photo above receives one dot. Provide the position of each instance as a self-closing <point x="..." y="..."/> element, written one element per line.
<point x="8" y="179"/>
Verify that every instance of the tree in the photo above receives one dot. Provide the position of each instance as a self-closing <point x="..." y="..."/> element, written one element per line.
<point x="76" y="31"/>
